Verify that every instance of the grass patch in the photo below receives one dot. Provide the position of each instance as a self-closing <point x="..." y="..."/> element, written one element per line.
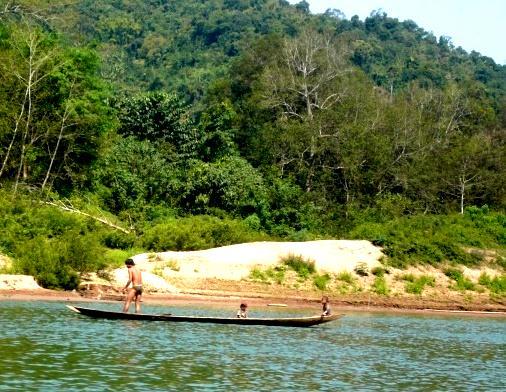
<point x="269" y="275"/>
<point x="380" y="286"/>
<point x="258" y="275"/>
<point x="461" y="282"/>
<point x="496" y="285"/>
<point x="115" y="258"/>
<point x="173" y="265"/>
<point x="416" y="285"/>
<point x="276" y="274"/>
<point x="321" y="281"/>
<point x="345" y="277"/>
<point x="158" y="271"/>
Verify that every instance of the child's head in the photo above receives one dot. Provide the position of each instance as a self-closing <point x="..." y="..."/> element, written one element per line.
<point x="129" y="262"/>
<point x="325" y="299"/>
<point x="243" y="306"/>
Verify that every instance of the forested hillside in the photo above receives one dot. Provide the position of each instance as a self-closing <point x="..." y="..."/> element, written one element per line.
<point x="190" y="124"/>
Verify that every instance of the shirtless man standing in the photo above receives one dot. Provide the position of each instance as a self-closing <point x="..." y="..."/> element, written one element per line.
<point x="134" y="277"/>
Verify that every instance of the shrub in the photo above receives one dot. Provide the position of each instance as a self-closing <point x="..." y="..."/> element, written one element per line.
<point x="119" y="240"/>
<point x="501" y="261"/>
<point x="276" y="274"/>
<point x="406" y="277"/>
<point x="50" y="266"/>
<point x="380" y="271"/>
<point x="303" y="267"/>
<point x="453" y="273"/>
<point x="321" y="281"/>
<point x="253" y="222"/>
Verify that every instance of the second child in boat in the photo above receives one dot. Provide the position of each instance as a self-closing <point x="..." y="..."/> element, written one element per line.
<point x="134" y="292"/>
<point x="325" y="306"/>
<point x="243" y="311"/>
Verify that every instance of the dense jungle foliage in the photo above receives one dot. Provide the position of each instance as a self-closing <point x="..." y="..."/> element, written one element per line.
<point x="191" y="124"/>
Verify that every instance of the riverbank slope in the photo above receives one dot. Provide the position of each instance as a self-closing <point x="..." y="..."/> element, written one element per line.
<point x="350" y="272"/>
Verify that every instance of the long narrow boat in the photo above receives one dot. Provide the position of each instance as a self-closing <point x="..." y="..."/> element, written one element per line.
<point x="279" y="322"/>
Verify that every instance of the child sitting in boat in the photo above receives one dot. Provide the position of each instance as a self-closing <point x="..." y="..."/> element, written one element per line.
<point x="326" y="306"/>
<point x="243" y="311"/>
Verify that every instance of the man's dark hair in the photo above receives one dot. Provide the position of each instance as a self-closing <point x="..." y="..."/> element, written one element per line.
<point x="129" y="262"/>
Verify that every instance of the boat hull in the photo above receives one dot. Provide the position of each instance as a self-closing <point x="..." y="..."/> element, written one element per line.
<point x="278" y="322"/>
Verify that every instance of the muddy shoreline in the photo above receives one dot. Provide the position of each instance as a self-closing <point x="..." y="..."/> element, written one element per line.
<point x="355" y="303"/>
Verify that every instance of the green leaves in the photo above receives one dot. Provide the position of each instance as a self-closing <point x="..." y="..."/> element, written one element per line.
<point x="159" y="118"/>
<point x="230" y="184"/>
<point x="133" y="173"/>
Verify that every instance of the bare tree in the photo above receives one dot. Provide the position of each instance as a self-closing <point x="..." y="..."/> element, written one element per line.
<point x="13" y="9"/>
<point x="300" y="81"/>
<point x="64" y="124"/>
<point x="31" y="63"/>
<point x="303" y="81"/>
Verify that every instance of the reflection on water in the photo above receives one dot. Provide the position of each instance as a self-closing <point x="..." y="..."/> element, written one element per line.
<point x="44" y="346"/>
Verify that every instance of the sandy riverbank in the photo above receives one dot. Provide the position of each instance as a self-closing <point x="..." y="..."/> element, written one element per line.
<point x="364" y="303"/>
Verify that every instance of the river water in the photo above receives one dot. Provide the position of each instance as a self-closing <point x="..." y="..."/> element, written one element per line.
<point x="46" y="347"/>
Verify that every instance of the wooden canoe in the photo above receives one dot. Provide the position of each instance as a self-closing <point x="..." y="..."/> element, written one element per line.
<point x="279" y="322"/>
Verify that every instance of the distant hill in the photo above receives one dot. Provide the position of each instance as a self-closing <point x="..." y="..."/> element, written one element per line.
<point x="184" y="45"/>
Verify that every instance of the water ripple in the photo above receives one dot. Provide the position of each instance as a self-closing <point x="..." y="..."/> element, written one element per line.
<point x="46" y="347"/>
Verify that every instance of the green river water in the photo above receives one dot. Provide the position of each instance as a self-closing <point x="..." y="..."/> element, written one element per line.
<point x="46" y="347"/>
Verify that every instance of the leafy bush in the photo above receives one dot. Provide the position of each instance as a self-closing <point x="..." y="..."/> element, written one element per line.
<point x="133" y="173"/>
<point x="432" y="239"/>
<point x="230" y="184"/>
<point x="453" y="273"/>
<point x="197" y="232"/>
<point x="52" y="245"/>
<point x="289" y="213"/>
<point x="253" y="222"/>
<point x="303" y="267"/>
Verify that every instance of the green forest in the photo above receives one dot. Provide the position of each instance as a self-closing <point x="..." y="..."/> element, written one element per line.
<point x="152" y="125"/>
